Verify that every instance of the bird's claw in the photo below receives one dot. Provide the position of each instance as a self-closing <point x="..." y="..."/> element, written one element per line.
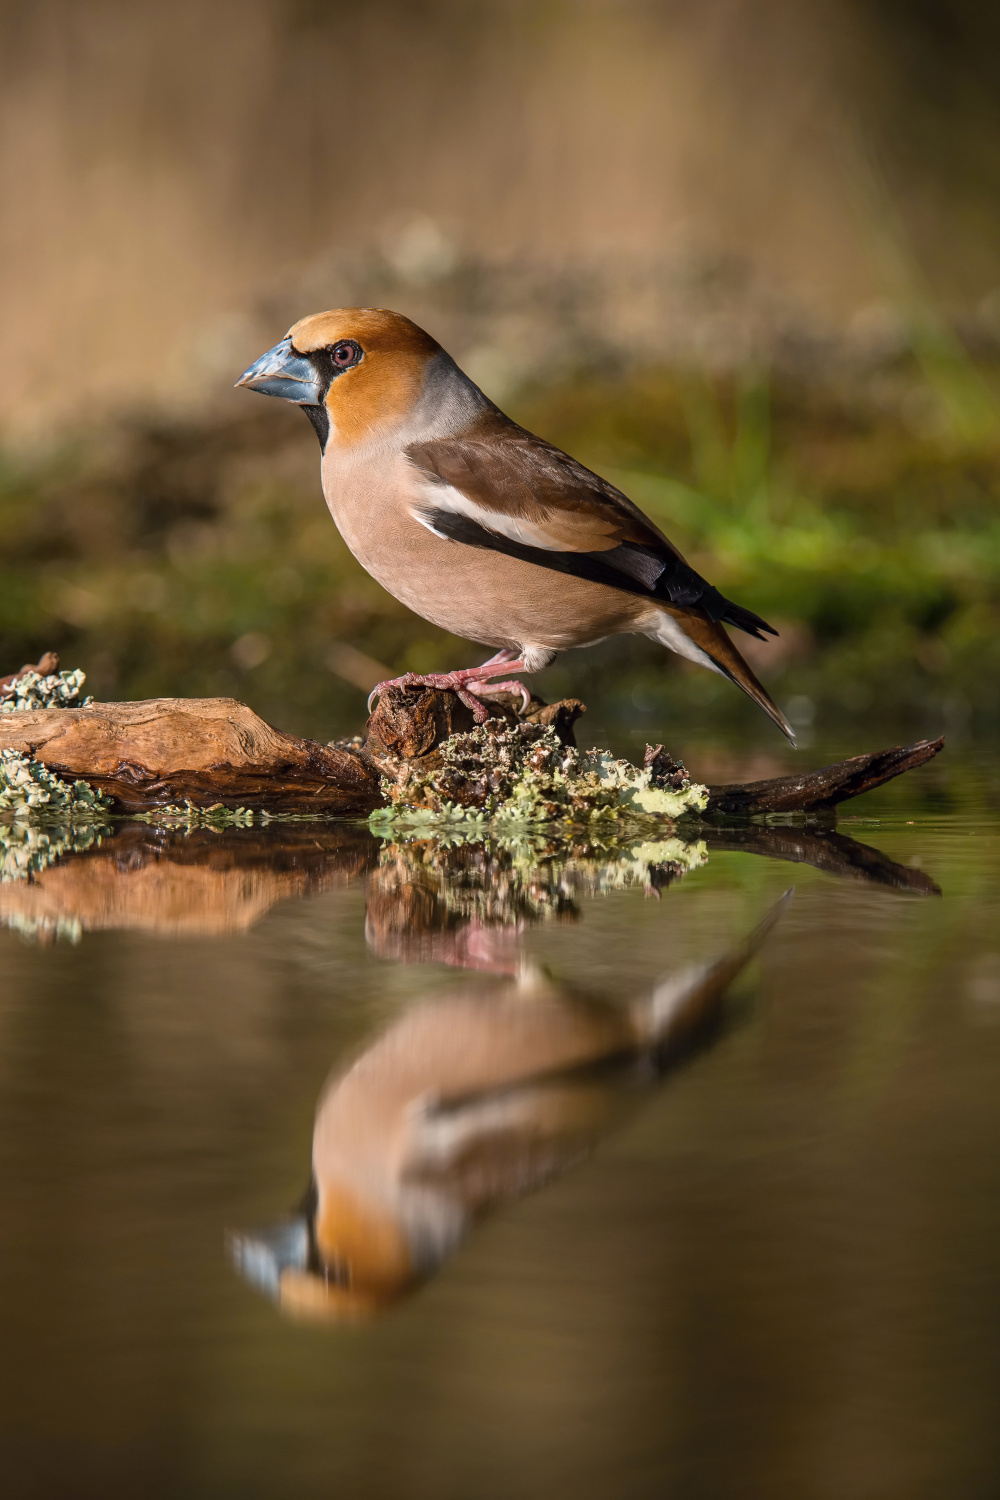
<point x="514" y="687"/>
<point x="453" y="682"/>
<point x="469" y="686"/>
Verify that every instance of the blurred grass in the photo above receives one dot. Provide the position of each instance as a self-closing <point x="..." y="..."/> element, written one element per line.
<point x="861" y="518"/>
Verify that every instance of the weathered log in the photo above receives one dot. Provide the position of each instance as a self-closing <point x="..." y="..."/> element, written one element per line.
<point x="206" y="750"/>
<point x="409" y="724"/>
<point x="820" y="791"/>
<point x="217" y="750"/>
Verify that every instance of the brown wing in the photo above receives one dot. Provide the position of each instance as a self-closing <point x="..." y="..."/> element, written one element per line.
<point x="530" y="500"/>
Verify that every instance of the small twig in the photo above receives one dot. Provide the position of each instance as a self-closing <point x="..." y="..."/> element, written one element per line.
<point x="48" y="664"/>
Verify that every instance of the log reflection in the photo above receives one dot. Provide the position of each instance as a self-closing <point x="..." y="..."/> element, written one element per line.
<point x="172" y="882"/>
<point x="825" y="849"/>
<point x="429" y="899"/>
<point x="462" y="1105"/>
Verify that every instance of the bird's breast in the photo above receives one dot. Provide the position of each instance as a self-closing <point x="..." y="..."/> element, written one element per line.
<point x="473" y="592"/>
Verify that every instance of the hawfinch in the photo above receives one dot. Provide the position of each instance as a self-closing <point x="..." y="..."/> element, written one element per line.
<point x="476" y="524"/>
<point x="462" y="1105"/>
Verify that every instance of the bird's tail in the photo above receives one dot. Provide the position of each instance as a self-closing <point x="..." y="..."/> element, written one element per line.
<point x="683" y="1006"/>
<point x="710" y="638"/>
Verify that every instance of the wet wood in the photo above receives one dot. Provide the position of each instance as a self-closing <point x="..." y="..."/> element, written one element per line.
<point x="206" y="750"/>
<point x="820" y="791"/>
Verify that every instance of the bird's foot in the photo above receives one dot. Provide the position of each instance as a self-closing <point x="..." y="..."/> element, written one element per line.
<point x="484" y="689"/>
<point x="470" y="684"/>
<point x="453" y="682"/>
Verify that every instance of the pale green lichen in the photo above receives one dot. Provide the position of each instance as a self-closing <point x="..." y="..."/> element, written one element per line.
<point x="500" y="773"/>
<point x="32" y="690"/>
<point x="30" y="792"/>
<point x="638" y="792"/>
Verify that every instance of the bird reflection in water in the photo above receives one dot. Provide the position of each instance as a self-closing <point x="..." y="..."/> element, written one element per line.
<point x="462" y="1105"/>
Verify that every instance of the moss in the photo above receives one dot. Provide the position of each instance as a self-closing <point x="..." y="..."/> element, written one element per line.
<point x="499" y="773"/>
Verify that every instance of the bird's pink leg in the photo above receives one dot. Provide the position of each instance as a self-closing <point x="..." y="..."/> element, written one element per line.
<point x="470" y="684"/>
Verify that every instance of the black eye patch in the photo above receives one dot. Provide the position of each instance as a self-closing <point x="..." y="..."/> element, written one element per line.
<point x="335" y="359"/>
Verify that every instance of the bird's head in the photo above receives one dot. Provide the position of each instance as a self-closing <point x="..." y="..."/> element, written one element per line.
<point x="345" y="1258"/>
<point x="354" y="371"/>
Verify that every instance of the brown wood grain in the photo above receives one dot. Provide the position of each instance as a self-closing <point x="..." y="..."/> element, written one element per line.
<point x="169" y="750"/>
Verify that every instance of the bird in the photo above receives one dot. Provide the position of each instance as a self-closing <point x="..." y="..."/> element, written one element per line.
<point x="466" y="1102"/>
<point x="478" y="525"/>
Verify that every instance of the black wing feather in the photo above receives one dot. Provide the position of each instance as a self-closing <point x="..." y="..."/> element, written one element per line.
<point x="629" y="566"/>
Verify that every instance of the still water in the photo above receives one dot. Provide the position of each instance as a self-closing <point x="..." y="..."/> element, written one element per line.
<point x="331" y="1165"/>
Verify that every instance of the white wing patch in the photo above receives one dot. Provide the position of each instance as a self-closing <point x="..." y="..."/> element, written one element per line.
<point x="431" y="497"/>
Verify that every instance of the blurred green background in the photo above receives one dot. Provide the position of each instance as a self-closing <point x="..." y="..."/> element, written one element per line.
<point x="744" y="259"/>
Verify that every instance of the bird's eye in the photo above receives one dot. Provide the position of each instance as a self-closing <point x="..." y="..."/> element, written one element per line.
<point x="345" y="354"/>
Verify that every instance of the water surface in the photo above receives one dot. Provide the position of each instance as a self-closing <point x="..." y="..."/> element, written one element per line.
<point x="761" y="1264"/>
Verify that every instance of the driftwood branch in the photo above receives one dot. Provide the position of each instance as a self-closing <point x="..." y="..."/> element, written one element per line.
<point x="216" y="750"/>
<point x="820" y="791"/>
<point x="206" y="750"/>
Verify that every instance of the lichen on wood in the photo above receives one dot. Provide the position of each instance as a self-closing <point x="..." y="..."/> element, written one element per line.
<point x="423" y="759"/>
<point x="502" y="773"/>
<point x="42" y="686"/>
<point x="29" y="791"/>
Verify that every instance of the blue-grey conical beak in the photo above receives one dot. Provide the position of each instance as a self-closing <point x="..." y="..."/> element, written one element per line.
<point x="283" y="372"/>
<point x="263" y="1254"/>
